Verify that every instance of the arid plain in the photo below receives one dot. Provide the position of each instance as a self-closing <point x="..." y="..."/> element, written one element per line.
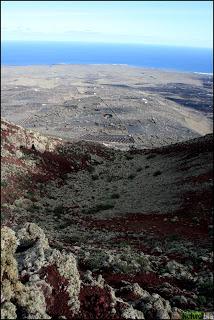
<point x="117" y="105"/>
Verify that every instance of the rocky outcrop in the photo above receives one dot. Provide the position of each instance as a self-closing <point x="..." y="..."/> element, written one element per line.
<point x="37" y="282"/>
<point x="16" y="136"/>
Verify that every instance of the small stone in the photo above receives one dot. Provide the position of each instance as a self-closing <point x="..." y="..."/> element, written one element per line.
<point x="174" y="219"/>
<point x="205" y="259"/>
<point x="176" y="314"/>
<point x="113" y="311"/>
<point x="155" y="296"/>
<point x="157" y="250"/>
<point x="162" y="314"/>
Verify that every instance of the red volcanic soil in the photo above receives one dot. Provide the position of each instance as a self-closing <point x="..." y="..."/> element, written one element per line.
<point x="95" y="303"/>
<point x="58" y="301"/>
<point x="195" y="205"/>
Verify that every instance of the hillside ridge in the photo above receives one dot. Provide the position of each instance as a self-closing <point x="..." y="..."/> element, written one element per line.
<point x="93" y="232"/>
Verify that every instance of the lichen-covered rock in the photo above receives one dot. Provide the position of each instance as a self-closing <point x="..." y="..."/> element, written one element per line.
<point x="131" y="313"/>
<point x="8" y="310"/>
<point x="42" y="282"/>
<point x="127" y="262"/>
<point x="31" y="233"/>
<point x="179" y="270"/>
<point x="154" y="306"/>
<point x="31" y="301"/>
<point x="9" y="272"/>
<point x="33" y="242"/>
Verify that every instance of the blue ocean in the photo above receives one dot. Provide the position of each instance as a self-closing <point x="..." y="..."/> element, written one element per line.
<point x="152" y="56"/>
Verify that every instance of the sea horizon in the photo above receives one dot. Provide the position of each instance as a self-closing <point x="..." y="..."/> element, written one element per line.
<point x="170" y="58"/>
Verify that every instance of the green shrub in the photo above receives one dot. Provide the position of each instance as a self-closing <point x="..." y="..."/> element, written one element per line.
<point x="202" y="300"/>
<point x="59" y="210"/>
<point x="206" y="288"/>
<point x="151" y="156"/>
<point x="131" y="176"/>
<point x="30" y="195"/>
<point x="3" y="183"/>
<point x="115" y="196"/>
<point x="33" y="208"/>
<point x="157" y="173"/>
<point x="95" y="177"/>
<point x="129" y="157"/>
<point x="90" y="169"/>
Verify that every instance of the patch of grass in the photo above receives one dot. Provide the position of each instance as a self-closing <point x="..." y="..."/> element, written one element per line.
<point x="157" y="173"/>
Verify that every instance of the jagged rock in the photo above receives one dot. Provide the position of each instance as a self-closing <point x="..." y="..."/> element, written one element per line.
<point x="132" y="292"/>
<point x="96" y="159"/>
<point x="154" y="306"/>
<point x="176" y="314"/>
<point x="23" y="203"/>
<point x="27" y="297"/>
<point x="180" y="299"/>
<point x="162" y="314"/>
<point x="179" y="270"/>
<point x="47" y="284"/>
<point x="8" y="311"/>
<point x="157" y="250"/>
<point x="9" y="272"/>
<point x="174" y="219"/>
<point x="131" y="313"/>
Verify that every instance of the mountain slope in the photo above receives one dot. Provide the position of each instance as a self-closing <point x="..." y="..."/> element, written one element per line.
<point x="140" y="216"/>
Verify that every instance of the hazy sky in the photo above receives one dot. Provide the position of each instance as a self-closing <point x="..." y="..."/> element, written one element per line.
<point x="181" y="23"/>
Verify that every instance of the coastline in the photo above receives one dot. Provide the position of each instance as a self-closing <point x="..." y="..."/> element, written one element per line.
<point x="175" y="59"/>
<point x="170" y="70"/>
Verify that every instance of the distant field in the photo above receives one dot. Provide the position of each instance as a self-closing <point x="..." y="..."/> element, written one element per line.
<point x="147" y="107"/>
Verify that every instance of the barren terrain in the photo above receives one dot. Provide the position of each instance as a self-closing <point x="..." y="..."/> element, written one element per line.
<point x="106" y="193"/>
<point x="91" y="232"/>
<point x="113" y="104"/>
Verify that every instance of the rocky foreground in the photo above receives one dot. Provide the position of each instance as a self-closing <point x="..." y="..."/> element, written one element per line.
<point x="94" y="233"/>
